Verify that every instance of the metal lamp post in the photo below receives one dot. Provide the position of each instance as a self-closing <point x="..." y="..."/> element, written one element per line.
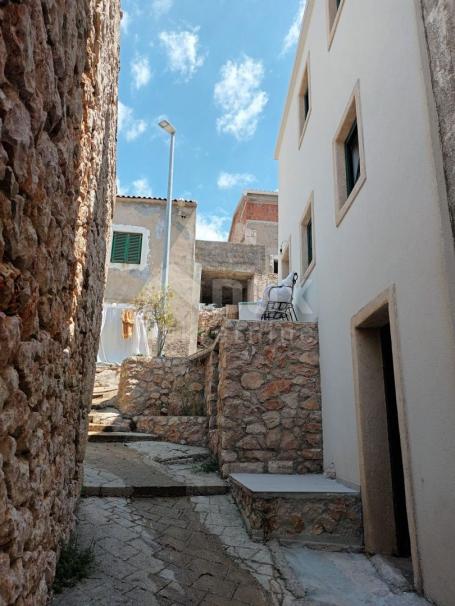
<point x="167" y="126"/>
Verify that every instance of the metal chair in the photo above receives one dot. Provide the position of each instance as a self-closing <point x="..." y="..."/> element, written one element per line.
<point x="280" y="310"/>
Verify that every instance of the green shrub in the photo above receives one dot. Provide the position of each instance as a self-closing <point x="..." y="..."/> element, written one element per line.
<point x="208" y="466"/>
<point x="75" y="563"/>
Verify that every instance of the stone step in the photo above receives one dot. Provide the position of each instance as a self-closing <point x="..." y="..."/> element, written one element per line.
<point x="119" y="436"/>
<point x="115" y="428"/>
<point x="318" y="511"/>
<point x="145" y="491"/>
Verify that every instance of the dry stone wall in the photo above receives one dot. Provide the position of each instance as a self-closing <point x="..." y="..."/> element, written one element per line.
<point x="178" y="430"/>
<point x="268" y="416"/>
<point x="162" y="386"/>
<point x="58" y="99"/>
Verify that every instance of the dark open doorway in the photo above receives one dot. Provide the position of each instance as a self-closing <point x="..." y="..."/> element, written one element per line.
<point x="403" y="546"/>
<point x="386" y="486"/>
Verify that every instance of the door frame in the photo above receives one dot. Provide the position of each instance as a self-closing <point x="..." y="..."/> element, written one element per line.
<point x="375" y="477"/>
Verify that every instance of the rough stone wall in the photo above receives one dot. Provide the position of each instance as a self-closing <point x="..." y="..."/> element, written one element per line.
<point x="210" y="322"/>
<point x="211" y="397"/>
<point x="178" y="430"/>
<point x="162" y="386"/>
<point x="439" y="22"/>
<point x="269" y="404"/>
<point x="58" y="98"/>
<point x="258" y="284"/>
<point x="327" y="520"/>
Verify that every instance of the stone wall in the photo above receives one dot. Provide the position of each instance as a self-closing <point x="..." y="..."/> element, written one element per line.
<point x="328" y="520"/>
<point x="439" y="22"/>
<point x="58" y="99"/>
<point x="178" y="430"/>
<point x="210" y="321"/>
<point x="268" y="416"/>
<point x="230" y="257"/>
<point x="162" y="386"/>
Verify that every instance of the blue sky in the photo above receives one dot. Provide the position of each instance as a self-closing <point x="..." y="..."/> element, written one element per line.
<point x="219" y="71"/>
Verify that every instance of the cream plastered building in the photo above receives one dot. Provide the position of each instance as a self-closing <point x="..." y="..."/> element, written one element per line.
<point x="135" y="258"/>
<point x="363" y="220"/>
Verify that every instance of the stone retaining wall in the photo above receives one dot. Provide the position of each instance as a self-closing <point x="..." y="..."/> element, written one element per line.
<point x="268" y="416"/>
<point x="162" y="386"/>
<point x="179" y="430"/>
<point x="58" y="113"/>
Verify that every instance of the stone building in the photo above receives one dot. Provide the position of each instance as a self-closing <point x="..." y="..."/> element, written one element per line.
<point x="255" y="221"/>
<point x="366" y="169"/>
<point x="58" y="110"/>
<point x="238" y="270"/>
<point x="136" y="249"/>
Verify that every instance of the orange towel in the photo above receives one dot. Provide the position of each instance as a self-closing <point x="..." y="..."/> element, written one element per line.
<point x="128" y="318"/>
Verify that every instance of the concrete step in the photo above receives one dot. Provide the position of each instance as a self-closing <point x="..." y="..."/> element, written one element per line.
<point x="116" y="428"/>
<point x="119" y="436"/>
<point x="108" y="419"/>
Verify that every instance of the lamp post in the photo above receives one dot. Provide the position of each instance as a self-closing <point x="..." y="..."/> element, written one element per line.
<point x="167" y="126"/>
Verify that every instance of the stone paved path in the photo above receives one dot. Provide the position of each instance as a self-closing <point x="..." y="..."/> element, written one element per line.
<point x="175" y="551"/>
<point x="147" y="469"/>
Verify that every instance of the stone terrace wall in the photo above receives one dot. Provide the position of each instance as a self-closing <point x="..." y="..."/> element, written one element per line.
<point x="268" y="407"/>
<point x="58" y="83"/>
<point x="162" y="386"/>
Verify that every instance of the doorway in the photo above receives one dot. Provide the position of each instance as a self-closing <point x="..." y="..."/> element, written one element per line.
<point x="386" y="486"/>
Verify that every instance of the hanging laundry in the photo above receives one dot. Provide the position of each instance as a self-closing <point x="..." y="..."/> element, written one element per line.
<point x="128" y="320"/>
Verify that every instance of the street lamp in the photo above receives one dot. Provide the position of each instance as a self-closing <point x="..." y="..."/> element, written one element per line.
<point x="167" y="126"/>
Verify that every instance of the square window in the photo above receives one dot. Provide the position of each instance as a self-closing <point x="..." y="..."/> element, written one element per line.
<point x="307" y="240"/>
<point x="334" y="8"/>
<point x="349" y="160"/>
<point x="126" y="247"/>
<point x="304" y="102"/>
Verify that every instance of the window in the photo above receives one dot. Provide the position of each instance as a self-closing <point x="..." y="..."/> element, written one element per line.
<point x="352" y="155"/>
<point x="275" y="266"/>
<point x="304" y="102"/>
<point x="307" y="240"/>
<point x="334" y="8"/>
<point x="126" y="247"/>
<point x="349" y="160"/>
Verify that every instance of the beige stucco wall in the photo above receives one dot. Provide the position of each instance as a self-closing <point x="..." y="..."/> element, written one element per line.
<point x="125" y="282"/>
<point x="390" y="235"/>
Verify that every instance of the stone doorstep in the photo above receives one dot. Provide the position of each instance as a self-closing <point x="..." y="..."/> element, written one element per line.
<point x="143" y="492"/>
<point x="266" y="485"/>
<point x="294" y="489"/>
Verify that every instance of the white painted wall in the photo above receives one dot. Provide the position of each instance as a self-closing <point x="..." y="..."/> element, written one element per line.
<point x="390" y="235"/>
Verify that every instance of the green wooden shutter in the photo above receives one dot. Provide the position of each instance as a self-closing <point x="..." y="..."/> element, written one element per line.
<point x="126" y="248"/>
<point x="134" y="248"/>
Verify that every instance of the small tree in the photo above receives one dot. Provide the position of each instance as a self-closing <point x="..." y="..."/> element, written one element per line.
<point x="156" y="307"/>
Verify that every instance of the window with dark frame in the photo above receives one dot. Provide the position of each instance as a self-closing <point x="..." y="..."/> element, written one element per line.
<point x="304" y="101"/>
<point x="309" y="241"/>
<point x="352" y="158"/>
<point x="126" y="247"/>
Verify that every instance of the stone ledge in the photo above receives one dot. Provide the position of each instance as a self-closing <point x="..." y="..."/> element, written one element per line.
<point x="318" y="511"/>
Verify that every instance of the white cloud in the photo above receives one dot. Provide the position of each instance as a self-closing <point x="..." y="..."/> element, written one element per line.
<point x="229" y="180"/>
<point x="141" y="187"/>
<point x="182" y="52"/>
<point x="161" y="7"/>
<point x="128" y="125"/>
<point x="125" y="23"/>
<point x="293" y="34"/>
<point x="140" y="71"/>
<point x="240" y="97"/>
<point x="212" y="227"/>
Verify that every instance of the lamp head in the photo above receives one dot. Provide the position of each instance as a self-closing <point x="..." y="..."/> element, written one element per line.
<point x="167" y="126"/>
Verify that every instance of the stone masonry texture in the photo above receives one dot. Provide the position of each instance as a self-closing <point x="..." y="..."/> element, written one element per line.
<point x="162" y="386"/>
<point x="439" y="22"/>
<point x="58" y="99"/>
<point x="268" y="416"/>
